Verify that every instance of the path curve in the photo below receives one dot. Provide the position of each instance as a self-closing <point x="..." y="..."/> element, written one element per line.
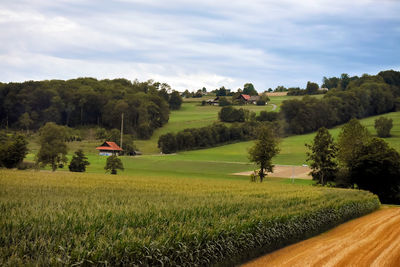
<point x="372" y="240"/>
<point x="273" y="107"/>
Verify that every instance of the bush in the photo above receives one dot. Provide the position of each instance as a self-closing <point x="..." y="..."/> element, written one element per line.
<point x="383" y="126"/>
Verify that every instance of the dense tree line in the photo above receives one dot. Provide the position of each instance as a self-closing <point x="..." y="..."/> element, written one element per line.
<point x="209" y="136"/>
<point x="231" y="114"/>
<point x="87" y="101"/>
<point x="353" y="98"/>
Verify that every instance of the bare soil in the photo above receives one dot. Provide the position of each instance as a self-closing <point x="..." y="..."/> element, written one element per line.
<point x="301" y="172"/>
<point x="276" y="93"/>
<point x="372" y="240"/>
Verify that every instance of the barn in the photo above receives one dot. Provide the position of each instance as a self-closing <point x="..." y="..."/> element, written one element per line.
<point x="109" y="148"/>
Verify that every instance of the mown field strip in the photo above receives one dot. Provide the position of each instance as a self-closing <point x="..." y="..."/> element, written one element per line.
<point x="372" y="240"/>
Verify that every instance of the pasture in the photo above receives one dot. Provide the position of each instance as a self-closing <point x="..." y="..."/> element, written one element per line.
<point x="193" y="115"/>
<point x="65" y="218"/>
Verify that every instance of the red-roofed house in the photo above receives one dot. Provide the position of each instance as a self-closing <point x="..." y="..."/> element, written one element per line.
<point x="109" y="148"/>
<point x="244" y="97"/>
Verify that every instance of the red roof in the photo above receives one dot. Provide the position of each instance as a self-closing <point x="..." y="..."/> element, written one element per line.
<point x="246" y="97"/>
<point x="109" y="146"/>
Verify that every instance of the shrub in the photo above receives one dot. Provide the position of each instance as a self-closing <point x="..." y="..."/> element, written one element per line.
<point x="383" y="126"/>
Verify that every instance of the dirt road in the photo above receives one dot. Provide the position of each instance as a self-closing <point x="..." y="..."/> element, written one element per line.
<point x="372" y="240"/>
<point x="285" y="171"/>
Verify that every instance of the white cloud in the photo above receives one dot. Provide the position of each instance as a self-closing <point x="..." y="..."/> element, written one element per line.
<point x="190" y="45"/>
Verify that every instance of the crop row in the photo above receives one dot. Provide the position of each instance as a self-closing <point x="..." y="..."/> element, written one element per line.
<point x="67" y="218"/>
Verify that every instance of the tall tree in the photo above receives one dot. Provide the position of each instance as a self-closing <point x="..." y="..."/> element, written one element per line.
<point x="351" y="138"/>
<point x="322" y="156"/>
<point x="265" y="148"/>
<point x="53" y="148"/>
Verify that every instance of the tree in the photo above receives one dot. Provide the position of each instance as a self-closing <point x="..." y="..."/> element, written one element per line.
<point x="377" y="169"/>
<point x="167" y="143"/>
<point x="221" y="91"/>
<point x="13" y="150"/>
<point x="312" y="88"/>
<point x="223" y="102"/>
<point x="25" y="121"/>
<point x="52" y="145"/>
<point x="248" y="89"/>
<point x="351" y="138"/>
<point x="78" y="162"/>
<point x="175" y="101"/>
<point x="322" y="157"/>
<point x="265" y="148"/>
<point x="383" y="126"/>
<point x="113" y="164"/>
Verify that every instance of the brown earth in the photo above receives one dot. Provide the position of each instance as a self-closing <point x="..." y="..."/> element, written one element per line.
<point x="372" y="240"/>
<point x="301" y="172"/>
<point x="277" y="94"/>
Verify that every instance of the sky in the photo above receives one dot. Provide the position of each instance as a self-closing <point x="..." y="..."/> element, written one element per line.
<point x="195" y="44"/>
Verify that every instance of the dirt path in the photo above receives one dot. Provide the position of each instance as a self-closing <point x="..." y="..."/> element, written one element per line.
<point x="301" y="172"/>
<point x="372" y="240"/>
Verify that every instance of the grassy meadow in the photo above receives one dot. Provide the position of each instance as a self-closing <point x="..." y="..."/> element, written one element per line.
<point x="193" y="115"/>
<point x="65" y="218"/>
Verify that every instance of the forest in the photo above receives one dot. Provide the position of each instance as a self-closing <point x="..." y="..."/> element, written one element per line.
<point x="88" y="101"/>
<point x="348" y="97"/>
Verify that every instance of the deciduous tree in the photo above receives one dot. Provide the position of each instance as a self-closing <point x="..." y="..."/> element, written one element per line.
<point x="113" y="164"/>
<point x="53" y="148"/>
<point x="265" y="148"/>
<point x="377" y="169"/>
<point x="322" y="156"/>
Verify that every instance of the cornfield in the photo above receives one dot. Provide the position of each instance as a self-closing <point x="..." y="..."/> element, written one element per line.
<point x="78" y="219"/>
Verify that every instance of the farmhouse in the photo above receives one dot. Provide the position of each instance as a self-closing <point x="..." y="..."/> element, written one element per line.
<point x="109" y="148"/>
<point x="249" y="99"/>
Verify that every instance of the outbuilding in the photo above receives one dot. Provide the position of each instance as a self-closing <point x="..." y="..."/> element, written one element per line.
<point x="109" y="148"/>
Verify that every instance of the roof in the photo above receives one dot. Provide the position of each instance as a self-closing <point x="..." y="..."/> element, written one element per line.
<point x="254" y="98"/>
<point x="246" y="97"/>
<point x="109" y="146"/>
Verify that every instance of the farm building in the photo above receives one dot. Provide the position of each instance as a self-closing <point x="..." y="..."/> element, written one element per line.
<point x="109" y="148"/>
<point x="249" y="99"/>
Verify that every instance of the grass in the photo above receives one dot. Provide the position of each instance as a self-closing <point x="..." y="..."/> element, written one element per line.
<point x="193" y="115"/>
<point x="293" y="151"/>
<point x="67" y="218"/>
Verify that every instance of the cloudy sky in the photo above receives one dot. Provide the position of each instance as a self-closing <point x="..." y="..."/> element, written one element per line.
<point x="191" y="44"/>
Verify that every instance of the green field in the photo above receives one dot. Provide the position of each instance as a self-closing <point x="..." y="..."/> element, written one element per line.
<point x="293" y="151"/>
<point x="193" y="115"/>
<point x="65" y="218"/>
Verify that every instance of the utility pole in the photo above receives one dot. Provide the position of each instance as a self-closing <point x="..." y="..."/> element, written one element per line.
<point x="122" y="128"/>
